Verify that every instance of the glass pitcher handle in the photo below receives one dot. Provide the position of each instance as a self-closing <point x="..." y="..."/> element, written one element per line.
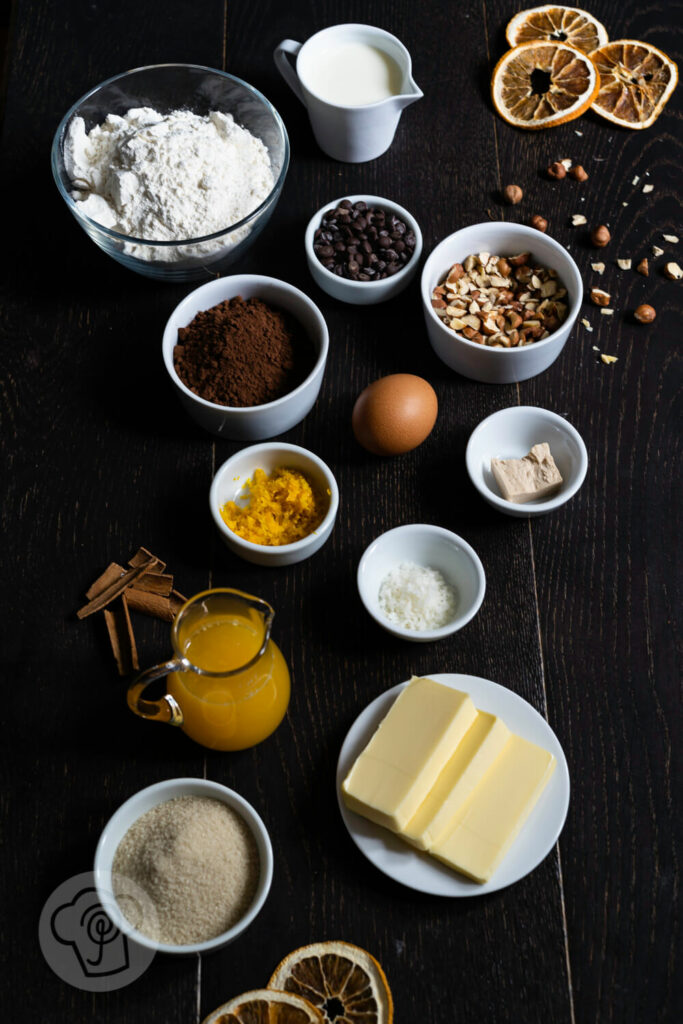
<point x="165" y="709"/>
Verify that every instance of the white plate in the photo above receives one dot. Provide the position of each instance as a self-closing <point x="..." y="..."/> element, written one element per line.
<point x="420" y="871"/>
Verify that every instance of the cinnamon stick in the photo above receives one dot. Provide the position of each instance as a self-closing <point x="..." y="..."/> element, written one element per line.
<point x="114" y="589"/>
<point x="142" y="556"/>
<point x="156" y="605"/>
<point x="121" y="636"/>
<point x="113" y="572"/>
<point x="155" y="583"/>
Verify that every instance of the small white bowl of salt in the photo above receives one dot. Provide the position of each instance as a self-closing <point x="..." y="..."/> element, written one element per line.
<point x="421" y="582"/>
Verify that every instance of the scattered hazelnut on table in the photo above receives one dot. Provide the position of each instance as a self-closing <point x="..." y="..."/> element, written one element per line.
<point x="512" y="194"/>
<point x="644" y="267"/>
<point x="645" y="314"/>
<point x="557" y="171"/>
<point x="673" y="271"/>
<point x="599" y="297"/>
<point x="600" y="237"/>
<point x="577" y="173"/>
<point x="538" y="222"/>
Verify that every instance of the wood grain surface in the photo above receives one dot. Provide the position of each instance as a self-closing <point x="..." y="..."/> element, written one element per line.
<point x="580" y="610"/>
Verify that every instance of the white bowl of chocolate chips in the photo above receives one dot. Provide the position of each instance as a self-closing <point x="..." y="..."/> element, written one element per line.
<point x="363" y="249"/>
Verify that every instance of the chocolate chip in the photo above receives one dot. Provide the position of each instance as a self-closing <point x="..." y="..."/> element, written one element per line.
<point x="362" y="243"/>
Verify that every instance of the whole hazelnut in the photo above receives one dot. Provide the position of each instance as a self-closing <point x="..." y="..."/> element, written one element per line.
<point x="577" y="173"/>
<point x="512" y="194"/>
<point x="538" y="222"/>
<point x="556" y="171"/>
<point x="645" y="314"/>
<point x="600" y="237"/>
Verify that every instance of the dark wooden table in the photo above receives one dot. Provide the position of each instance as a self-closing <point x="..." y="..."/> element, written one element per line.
<point x="580" y="610"/>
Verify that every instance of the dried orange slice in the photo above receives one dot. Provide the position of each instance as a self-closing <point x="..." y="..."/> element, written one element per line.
<point x="344" y="982"/>
<point x="636" y="80"/>
<point x="264" y="1006"/>
<point x="557" y="24"/>
<point x="538" y="85"/>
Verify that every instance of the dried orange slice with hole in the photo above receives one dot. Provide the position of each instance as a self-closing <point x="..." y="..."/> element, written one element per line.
<point x="557" y="24"/>
<point x="265" y="1006"/>
<point x="538" y="85"/>
<point x="344" y="982"/>
<point x="636" y="80"/>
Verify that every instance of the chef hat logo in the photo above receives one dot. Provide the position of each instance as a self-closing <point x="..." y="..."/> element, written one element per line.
<point x="80" y="940"/>
<point x="83" y="924"/>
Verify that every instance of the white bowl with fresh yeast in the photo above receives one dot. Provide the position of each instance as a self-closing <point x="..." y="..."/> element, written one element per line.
<point x="362" y="293"/>
<point x="255" y="422"/>
<point x="229" y="485"/>
<point x="482" y="362"/>
<point x="431" y="547"/>
<point x="137" y="805"/>
<point x="511" y="434"/>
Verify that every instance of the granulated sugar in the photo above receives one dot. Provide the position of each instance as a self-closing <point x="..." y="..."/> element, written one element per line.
<point x="197" y="860"/>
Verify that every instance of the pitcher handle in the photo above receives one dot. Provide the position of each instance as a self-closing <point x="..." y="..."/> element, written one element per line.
<point x="166" y="709"/>
<point x="285" y="68"/>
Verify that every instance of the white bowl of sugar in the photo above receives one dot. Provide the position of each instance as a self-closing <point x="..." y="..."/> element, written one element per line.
<point x="421" y="582"/>
<point x="190" y="861"/>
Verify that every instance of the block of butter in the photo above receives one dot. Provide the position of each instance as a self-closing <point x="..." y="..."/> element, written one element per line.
<point x="489" y="822"/>
<point x="468" y="766"/>
<point x="393" y="774"/>
<point x="533" y="477"/>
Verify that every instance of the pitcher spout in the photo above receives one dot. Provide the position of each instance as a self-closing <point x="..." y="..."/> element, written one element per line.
<point x="413" y="92"/>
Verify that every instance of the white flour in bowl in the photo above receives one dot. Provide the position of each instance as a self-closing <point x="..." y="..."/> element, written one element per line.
<point x="167" y="177"/>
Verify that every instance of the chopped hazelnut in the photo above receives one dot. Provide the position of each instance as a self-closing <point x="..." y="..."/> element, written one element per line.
<point x="538" y="222"/>
<point x="670" y="238"/>
<point x="512" y="194"/>
<point x="577" y="173"/>
<point x="557" y="171"/>
<point x="599" y="268"/>
<point x="608" y="359"/>
<point x="624" y="264"/>
<point x="578" y="219"/>
<point x="645" y="314"/>
<point x="644" y="267"/>
<point x="673" y="271"/>
<point x="600" y="236"/>
<point x="599" y="297"/>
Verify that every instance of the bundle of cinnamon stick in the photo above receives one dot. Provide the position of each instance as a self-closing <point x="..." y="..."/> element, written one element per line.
<point x="143" y="586"/>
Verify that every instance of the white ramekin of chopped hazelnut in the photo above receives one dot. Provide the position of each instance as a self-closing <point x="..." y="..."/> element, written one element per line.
<point x="499" y="301"/>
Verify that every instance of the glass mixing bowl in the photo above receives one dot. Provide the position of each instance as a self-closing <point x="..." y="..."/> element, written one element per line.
<point x="167" y="87"/>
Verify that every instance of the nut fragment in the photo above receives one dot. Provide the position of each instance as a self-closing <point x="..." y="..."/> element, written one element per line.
<point x="599" y="268"/>
<point x="578" y="219"/>
<point x="598" y="297"/>
<point x="557" y="171"/>
<point x="656" y="251"/>
<point x="648" y="188"/>
<point x="600" y="236"/>
<point x="538" y="222"/>
<point x="607" y="312"/>
<point x="566" y="163"/>
<point x="670" y="238"/>
<point x="644" y="267"/>
<point x="624" y="264"/>
<point x="512" y="194"/>
<point x="578" y="174"/>
<point x="673" y="271"/>
<point x="586" y="324"/>
<point x="501" y="302"/>
<point x="608" y="359"/>
<point x="645" y="314"/>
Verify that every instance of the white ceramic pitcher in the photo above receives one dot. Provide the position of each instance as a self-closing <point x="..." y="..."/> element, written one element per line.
<point x="353" y="134"/>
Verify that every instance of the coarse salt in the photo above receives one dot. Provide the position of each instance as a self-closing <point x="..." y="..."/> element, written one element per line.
<point x="415" y="597"/>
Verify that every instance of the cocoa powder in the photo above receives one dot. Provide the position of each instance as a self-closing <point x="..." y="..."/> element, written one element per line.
<point x="242" y="353"/>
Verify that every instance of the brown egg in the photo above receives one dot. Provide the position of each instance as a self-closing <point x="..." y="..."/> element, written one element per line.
<point x="394" y="414"/>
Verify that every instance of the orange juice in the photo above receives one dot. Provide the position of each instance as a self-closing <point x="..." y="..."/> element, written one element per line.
<point x="236" y="710"/>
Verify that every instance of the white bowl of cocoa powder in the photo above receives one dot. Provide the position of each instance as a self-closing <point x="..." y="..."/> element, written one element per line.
<point x="246" y="355"/>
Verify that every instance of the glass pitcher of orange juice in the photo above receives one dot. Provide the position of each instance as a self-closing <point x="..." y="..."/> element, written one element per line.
<point x="228" y="683"/>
